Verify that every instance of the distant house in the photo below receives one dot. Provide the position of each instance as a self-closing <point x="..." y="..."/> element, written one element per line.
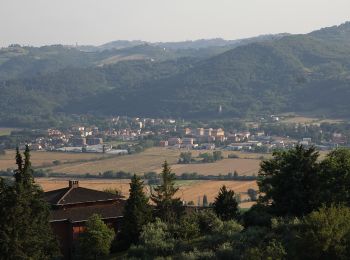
<point x="207" y="132"/>
<point x="36" y="147"/>
<point x="186" y="131"/>
<point x="94" y="141"/>
<point x="72" y="206"/>
<point x="163" y="143"/>
<point x="208" y="139"/>
<point x="207" y="146"/>
<point x="187" y="141"/>
<point x="199" y="132"/>
<point x="217" y="132"/>
<point x="174" y="141"/>
<point x="78" y="141"/>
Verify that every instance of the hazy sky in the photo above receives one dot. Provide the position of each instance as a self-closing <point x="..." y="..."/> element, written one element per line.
<point x="41" y="22"/>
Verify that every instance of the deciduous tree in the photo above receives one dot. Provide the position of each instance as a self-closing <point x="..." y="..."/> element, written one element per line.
<point x="96" y="240"/>
<point x="288" y="182"/>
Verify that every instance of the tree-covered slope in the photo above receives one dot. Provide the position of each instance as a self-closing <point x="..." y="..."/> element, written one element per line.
<point x="301" y="73"/>
<point x="294" y="73"/>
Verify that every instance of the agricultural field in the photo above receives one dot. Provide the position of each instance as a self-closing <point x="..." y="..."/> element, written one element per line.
<point x="149" y="160"/>
<point x="299" y="119"/>
<point x="188" y="190"/>
<point x="153" y="158"/>
<point x="6" y="130"/>
<point x="242" y="166"/>
<point x="45" y="159"/>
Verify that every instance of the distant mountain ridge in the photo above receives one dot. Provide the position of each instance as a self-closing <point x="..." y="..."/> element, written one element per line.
<point x="195" y="44"/>
<point x="300" y="73"/>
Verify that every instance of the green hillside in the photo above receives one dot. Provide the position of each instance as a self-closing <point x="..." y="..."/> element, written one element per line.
<point x="300" y="73"/>
<point x="295" y="73"/>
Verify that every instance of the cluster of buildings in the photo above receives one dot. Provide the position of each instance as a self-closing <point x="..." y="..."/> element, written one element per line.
<point x="199" y="138"/>
<point x="74" y="139"/>
<point x="91" y="139"/>
<point x="208" y="139"/>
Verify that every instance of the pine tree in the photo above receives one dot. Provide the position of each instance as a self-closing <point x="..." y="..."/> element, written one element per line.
<point x="168" y="208"/>
<point x="226" y="205"/>
<point x="137" y="212"/>
<point x="25" y="231"/>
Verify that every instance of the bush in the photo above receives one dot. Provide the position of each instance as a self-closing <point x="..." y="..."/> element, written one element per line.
<point x="253" y="194"/>
<point x="257" y="215"/>
<point x="113" y="191"/>
<point x="96" y="240"/>
<point x="56" y="162"/>
<point x="233" y="156"/>
<point x="155" y="241"/>
<point x="326" y="233"/>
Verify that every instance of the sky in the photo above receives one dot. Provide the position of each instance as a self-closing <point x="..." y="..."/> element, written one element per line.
<point x="44" y="22"/>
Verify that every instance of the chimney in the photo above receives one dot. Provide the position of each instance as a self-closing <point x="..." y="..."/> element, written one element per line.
<point x="73" y="184"/>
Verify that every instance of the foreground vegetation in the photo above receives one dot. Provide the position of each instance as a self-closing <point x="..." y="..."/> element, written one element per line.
<point x="25" y="232"/>
<point x="303" y="212"/>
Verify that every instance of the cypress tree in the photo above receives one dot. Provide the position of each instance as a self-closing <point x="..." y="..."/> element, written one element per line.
<point x="168" y="208"/>
<point x="137" y="212"/>
<point x="205" y="201"/>
<point x="25" y="231"/>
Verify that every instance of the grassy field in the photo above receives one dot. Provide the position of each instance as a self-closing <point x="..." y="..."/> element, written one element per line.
<point x="300" y="119"/>
<point x="152" y="159"/>
<point x="5" y="131"/>
<point x="41" y="158"/>
<point x="188" y="190"/>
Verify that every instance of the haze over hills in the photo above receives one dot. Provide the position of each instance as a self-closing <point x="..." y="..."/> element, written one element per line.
<point x="267" y="74"/>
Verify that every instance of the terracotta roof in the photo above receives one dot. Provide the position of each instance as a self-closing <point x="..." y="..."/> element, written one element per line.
<point x="77" y="214"/>
<point x="77" y="195"/>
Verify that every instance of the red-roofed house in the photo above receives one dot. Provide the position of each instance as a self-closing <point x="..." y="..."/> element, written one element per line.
<point x="73" y="205"/>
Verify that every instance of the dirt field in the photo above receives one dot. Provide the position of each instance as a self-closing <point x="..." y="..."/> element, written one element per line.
<point x="40" y="158"/>
<point x="211" y="189"/>
<point x="188" y="190"/>
<point x="153" y="158"/>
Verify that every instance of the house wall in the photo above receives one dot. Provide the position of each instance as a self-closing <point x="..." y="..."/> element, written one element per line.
<point x="67" y="233"/>
<point x="62" y="230"/>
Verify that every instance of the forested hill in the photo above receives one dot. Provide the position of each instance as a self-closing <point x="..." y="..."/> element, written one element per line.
<point x="292" y="73"/>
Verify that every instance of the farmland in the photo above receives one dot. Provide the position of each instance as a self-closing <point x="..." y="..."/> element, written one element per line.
<point x="152" y="159"/>
<point x="5" y="130"/>
<point x="188" y="190"/>
<point x="242" y="166"/>
<point x="42" y="159"/>
<point x="304" y="119"/>
<point x="149" y="160"/>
